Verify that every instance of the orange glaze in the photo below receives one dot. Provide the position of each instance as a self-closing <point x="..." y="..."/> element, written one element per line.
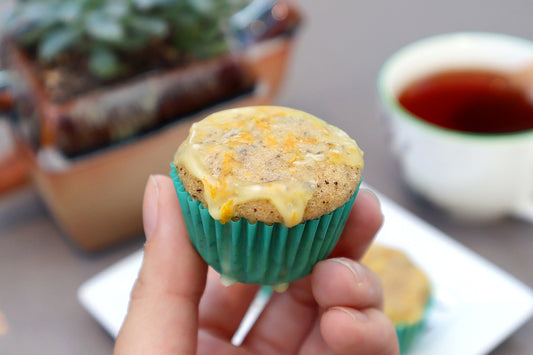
<point x="263" y="153"/>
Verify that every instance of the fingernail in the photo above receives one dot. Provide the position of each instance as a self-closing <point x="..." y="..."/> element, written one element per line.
<point x="356" y="315"/>
<point x="150" y="207"/>
<point x="355" y="269"/>
<point x="154" y="181"/>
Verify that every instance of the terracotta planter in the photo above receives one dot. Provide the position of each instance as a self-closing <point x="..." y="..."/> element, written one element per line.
<point x="90" y="157"/>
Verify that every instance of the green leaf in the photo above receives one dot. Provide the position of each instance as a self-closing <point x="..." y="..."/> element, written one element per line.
<point x="33" y="12"/>
<point x="103" y="27"/>
<point x="202" y="6"/>
<point x="117" y="8"/>
<point x="69" y="11"/>
<point x="56" y="42"/>
<point x="30" y="22"/>
<point x="148" y="25"/>
<point x="103" y="63"/>
<point x="151" y="4"/>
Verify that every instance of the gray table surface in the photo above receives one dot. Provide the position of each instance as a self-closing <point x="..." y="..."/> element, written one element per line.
<point x="332" y="74"/>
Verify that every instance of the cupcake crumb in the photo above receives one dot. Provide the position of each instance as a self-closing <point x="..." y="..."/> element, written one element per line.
<point x="227" y="281"/>
<point x="280" y="288"/>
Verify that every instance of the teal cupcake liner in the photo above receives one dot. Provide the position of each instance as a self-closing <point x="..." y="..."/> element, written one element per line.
<point x="259" y="253"/>
<point x="408" y="333"/>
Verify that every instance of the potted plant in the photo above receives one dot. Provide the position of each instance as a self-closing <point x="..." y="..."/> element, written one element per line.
<point x="104" y="92"/>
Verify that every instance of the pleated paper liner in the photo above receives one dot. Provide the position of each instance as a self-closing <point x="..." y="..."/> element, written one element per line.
<point x="259" y="253"/>
<point x="408" y="333"/>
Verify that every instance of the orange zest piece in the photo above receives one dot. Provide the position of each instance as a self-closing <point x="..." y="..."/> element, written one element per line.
<point x="244" y="137"/>
<point x="290" y="142"/>
<point x="226" y="212"/>
<point x="271" y="140"/>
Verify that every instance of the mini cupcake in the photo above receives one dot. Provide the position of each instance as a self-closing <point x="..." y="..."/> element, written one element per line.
<point x="406" y="289"/>
<point x="265" y="191"/>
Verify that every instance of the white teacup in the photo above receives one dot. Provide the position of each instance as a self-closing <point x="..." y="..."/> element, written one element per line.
<point x="474" y="176"/>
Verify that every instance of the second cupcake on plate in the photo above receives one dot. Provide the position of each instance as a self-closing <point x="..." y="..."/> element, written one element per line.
<point x="265" y="191"/>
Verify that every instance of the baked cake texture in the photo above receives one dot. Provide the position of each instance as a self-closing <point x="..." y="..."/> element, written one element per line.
<point x="269" y="164"/>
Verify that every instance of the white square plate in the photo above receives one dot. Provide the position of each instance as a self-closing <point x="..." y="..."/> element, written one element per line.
<point x="477" y="305"/>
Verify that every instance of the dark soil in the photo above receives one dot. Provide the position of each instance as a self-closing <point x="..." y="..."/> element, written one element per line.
<point x="69" y="77"/>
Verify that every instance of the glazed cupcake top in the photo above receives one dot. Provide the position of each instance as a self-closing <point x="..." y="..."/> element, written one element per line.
<point x="405" y="286"/>
<point x="265" y="153"/>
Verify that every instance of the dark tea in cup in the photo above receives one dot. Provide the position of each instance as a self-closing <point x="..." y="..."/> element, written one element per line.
<point x="476" y="101"/>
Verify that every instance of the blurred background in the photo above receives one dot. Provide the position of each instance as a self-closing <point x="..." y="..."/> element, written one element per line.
<point x="331" y="72"/>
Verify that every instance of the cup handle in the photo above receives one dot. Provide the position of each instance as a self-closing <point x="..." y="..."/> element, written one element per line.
<point x="524" y="210"/>
<point x="14" y="170"/>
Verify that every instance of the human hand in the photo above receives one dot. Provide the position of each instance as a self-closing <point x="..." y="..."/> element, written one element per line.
<point x="178" y="306"/>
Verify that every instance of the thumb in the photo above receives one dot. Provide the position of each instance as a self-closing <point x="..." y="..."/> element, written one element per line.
<point x="163" y="311"/>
